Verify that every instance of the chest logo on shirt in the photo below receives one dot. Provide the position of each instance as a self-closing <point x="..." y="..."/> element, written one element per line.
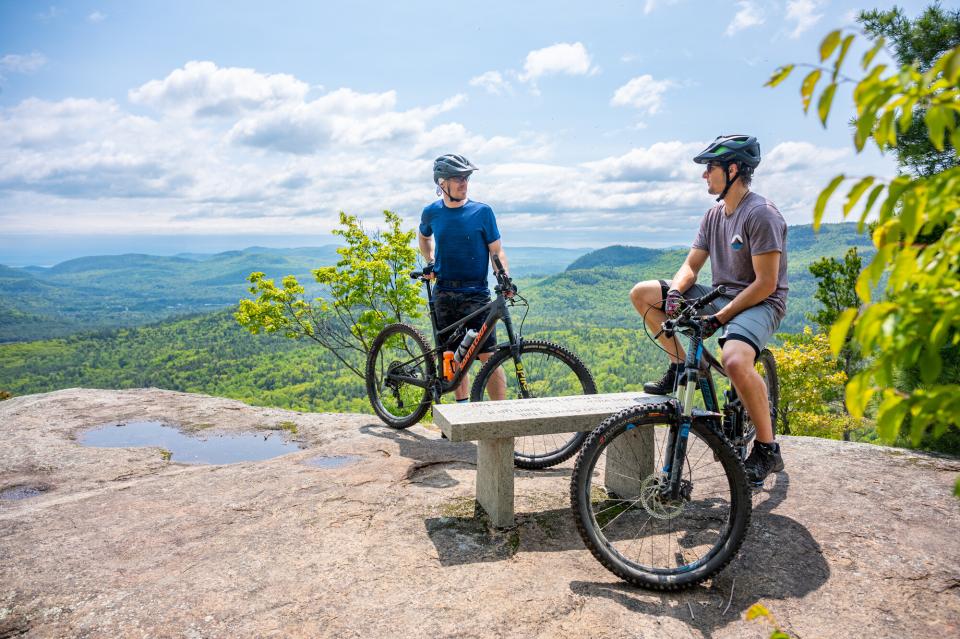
<point x="736" y="242"/>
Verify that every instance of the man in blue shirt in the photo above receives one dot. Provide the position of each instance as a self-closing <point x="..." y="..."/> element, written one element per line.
<point x="466" y="239"/>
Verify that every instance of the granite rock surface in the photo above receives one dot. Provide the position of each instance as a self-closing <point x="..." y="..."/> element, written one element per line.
<point x="851" y="540"/>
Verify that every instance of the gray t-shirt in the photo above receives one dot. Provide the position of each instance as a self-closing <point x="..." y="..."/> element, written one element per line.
<point x="754" y="228"/>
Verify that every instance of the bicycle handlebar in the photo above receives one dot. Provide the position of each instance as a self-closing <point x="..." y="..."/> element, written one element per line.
<point x="687" y="315"/>
<point x="504" y="283"/>
<point x="697" y="304"/>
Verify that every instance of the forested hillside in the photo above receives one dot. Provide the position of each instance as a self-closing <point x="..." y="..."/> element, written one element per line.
<point x="212" y="354"/>
<point x="129" y="290"/>
<point x="584" y="307"/>
<point x="593" y="290"/>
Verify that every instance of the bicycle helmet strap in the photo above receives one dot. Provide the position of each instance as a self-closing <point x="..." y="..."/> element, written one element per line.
<point x="447" y="193"/>
<point x="726" y="175"/>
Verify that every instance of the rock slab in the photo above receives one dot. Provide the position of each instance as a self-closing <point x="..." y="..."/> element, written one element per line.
<point x="851" y="540"/>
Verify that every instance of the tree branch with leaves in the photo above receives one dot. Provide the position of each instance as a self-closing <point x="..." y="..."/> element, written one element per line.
<point x="919" y="311"/>
<point x="368" y="288"/>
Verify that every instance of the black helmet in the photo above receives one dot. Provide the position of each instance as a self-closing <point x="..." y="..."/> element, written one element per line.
<point x="450" y="165"/>
<point x="732" y="148"/>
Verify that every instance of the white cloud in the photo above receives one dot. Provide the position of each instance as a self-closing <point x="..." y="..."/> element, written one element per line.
<point x="748" y="15"/>
<point x="650" y="5"/>
<point x="96" y="17"/>
<point x="288" y="160"/>
<point x="492" y="82"/>
<point x="22" y="63"/>
<point x="562" y="58"/>
<point x="803" y="13"/>
<point x="201" y="88"/>
<point x="341" y="117"/>
<point x="642" y="93"/>
<point x="799" y="156"/>
<point x="250" y="170"/>
<point x="661" y="161"/>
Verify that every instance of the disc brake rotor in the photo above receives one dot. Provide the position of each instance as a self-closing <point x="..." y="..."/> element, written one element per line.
<point x="656" y="503"/>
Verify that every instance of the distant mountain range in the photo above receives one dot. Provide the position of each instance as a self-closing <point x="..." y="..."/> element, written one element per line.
<point x="112" y="291"/>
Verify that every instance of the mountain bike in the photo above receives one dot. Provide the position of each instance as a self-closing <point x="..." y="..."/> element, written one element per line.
<point x="403" y="382"/>
<point x="659" y="492"/>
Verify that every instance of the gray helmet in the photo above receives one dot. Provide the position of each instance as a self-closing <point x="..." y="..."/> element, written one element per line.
<point x="450" y="165"/>
<point x="731" y="148"/>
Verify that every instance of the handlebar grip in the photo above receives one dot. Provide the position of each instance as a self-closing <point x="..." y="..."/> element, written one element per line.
<point x="709" y="297"/>
<point x="416" y="275"/>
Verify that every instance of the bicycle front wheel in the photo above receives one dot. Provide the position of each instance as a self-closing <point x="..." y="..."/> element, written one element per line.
<point x="550" y="371"/>
<point x="626" y="514"/>
<point x="398" y="355"/>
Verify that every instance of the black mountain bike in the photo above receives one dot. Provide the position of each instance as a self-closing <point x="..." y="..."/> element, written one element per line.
<point x="403" y="380"/>
<point x="673" y="518"/>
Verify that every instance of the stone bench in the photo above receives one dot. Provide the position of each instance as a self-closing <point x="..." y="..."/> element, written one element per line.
<point x="493" y="425"/>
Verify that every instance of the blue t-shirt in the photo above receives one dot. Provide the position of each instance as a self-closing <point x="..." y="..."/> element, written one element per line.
<point x="462" y="238"/>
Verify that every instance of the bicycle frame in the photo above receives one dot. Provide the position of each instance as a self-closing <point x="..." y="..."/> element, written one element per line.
<point x="697" y="376"/>
<point x="496" y="310"/>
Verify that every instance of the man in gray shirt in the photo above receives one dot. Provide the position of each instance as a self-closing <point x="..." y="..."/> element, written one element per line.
<point x="745" y="238"/>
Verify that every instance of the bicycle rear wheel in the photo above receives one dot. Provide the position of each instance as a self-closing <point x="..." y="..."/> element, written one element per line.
<point x="551" y="371"/>
<point x="766" y="365"/>
<point x="632" y="527"/>
<point x="399" y="351"/>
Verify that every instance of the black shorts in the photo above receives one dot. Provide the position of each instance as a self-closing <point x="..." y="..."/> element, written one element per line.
<point x="452" y="306"/>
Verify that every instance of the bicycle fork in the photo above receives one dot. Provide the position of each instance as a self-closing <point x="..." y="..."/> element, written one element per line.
<point x="515" y="348"/>
<point x="680" y="430"/>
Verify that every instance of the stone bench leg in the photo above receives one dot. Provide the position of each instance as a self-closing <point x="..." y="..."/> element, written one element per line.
<point x="495" y="479"/>
<point x="629" y="462"/>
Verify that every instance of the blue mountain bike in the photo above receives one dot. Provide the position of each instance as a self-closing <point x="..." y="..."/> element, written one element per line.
<point x="659" y="491"/>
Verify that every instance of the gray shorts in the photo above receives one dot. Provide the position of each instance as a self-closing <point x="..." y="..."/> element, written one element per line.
<point x="755" y="325"/>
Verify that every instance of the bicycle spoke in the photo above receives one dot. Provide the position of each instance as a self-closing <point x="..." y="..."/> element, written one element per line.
<point x="652" y="532"/>
<point x="549" y="372"/>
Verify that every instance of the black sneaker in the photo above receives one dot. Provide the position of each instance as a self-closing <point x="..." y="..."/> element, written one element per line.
<point x="667" y="384"/>
<point x="763" y="460"/>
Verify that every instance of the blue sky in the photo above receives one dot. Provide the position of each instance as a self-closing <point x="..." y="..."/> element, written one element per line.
<point x="243" y="119"/>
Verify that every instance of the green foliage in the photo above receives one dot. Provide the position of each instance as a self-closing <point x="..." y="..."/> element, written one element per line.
<point x="616" y="255"/>
<point x="917" y="43"/>
<point x="368" y="288"/>
<point x="811" y="385"/>
<point x="207" y="354"/>
<point x="759" y="611"/>
<point x="593" y="290"/>
<point x="129" y="290"/>
<point x="921" y="310"/>
<point x="825" y="425"/>
<point x="835" y="286"/>
<point x="836" y="292"/>
<point x="290" y="427"/>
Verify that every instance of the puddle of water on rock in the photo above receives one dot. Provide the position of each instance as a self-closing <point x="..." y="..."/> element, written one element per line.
<point x="332" y="461"/>
<point x="21" y="492"/>
<point x="210" y="449"/>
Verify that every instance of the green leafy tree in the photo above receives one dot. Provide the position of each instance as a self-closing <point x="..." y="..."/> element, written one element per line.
<point x="836" y="292"/>
<point x="921" y="311"/>
<point x="368" y="288"/>
<point x="917" y="42"/>
<point x="921" y="41"/>
<point x="811" y="385"/>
